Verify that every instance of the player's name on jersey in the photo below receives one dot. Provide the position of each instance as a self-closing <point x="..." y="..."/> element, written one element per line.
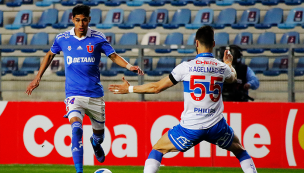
<point x="80" y="59"/>
<point x="207" y="69"/>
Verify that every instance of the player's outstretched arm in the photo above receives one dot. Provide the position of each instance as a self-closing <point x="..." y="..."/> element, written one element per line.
<point x="228" y="58"/>
<point x="44" y="65"/>
<point x="123" y="63"/>
<point x="149" y="88"/>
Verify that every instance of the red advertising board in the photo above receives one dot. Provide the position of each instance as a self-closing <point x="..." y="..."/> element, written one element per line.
<point x="36" y="132"/>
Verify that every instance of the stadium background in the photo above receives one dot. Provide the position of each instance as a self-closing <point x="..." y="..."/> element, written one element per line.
<point x="273" y="133"/>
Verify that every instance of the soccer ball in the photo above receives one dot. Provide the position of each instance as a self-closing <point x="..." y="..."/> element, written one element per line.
<point x="103" y="170"/>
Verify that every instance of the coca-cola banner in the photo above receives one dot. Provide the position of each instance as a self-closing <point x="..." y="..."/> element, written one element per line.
<point x="36" y="132"/>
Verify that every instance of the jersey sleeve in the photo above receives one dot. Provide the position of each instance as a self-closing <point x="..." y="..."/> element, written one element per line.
<point x="55" y="47"/>
<point x="106" y="48"/>
<point x="178" y="72"/>
<point x="227" y="72"/>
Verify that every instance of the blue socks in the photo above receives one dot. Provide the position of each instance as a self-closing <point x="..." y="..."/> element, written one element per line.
<point x="153" y="162"/>
<point x="156" y="155"/>
<point x="77" y="148"/>
<point x="243" y="156"/>
<point x="97" y="139"/>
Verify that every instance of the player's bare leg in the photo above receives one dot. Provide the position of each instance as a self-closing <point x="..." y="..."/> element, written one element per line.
<point x="245" y="160"/>
<point x="77" y="149"/>
<point x="236" y="147"/>
<point x="98" y="131"/>
<point x="162" y="147"/>
<point x="75" y="119"/>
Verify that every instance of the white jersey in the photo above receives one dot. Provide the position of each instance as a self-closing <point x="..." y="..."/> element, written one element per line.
<point x="203" y="80"/>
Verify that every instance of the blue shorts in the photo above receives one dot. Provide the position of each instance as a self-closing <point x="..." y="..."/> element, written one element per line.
<point x="183" y="139"/>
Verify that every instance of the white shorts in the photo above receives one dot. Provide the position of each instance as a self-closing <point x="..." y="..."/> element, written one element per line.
<point x="93" y="107"/>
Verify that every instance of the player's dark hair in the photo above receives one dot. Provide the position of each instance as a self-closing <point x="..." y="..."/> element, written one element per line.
<point x="81" y="9"/>
<point x="205" y="35"/>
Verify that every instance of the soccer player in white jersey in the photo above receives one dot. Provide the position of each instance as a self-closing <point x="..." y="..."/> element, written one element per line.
<point x="82" y="48"/>
<point x="202" y="118"/>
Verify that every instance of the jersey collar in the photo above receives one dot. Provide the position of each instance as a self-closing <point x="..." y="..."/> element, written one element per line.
<point x="72" y="32"/>
<point x="205" y="55"/>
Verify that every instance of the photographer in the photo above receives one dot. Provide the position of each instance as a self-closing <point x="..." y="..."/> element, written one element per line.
<point x="246" y="78"/>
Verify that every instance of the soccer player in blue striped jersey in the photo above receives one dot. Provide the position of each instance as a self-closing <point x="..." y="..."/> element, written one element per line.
<point x="82" y="48"/>
<point x="202" y="118"/>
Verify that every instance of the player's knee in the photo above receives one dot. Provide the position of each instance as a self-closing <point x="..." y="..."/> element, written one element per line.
<point x="75" y="116"/>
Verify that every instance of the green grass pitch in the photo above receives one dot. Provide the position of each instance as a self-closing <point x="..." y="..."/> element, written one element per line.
<point x="129" y="169"/>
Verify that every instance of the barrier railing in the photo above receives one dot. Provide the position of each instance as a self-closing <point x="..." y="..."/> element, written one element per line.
<point x="290" y="54"/>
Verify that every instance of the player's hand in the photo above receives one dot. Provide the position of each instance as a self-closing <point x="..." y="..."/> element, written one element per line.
<point x="247" y="86"/>
<point x="34" y="84"/>
<point x="228" y="58"/>
<point x="137" y="70"/>
<point x="120" y="89"/>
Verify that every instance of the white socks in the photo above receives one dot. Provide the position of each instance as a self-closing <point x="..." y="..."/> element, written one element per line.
<point x="151" y="166"/>
<point x="153" y="162"/>
<point x="248" y="166"/>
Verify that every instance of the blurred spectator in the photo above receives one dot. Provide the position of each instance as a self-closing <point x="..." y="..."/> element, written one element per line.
<point x="246" y="78"/>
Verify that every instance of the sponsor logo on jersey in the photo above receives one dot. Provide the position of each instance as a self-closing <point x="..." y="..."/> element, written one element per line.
<point x="71" y="60"/>
<point x="205" y="62"/>
<point x="201" y="110"/>
<point x="69" y="48"/>
<point x="79" y="48"/>
<point x="90" y="48"/>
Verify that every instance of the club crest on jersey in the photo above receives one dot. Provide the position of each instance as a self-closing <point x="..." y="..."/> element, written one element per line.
<point x="90" y="48"/>
<point x="69" y="48"/>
